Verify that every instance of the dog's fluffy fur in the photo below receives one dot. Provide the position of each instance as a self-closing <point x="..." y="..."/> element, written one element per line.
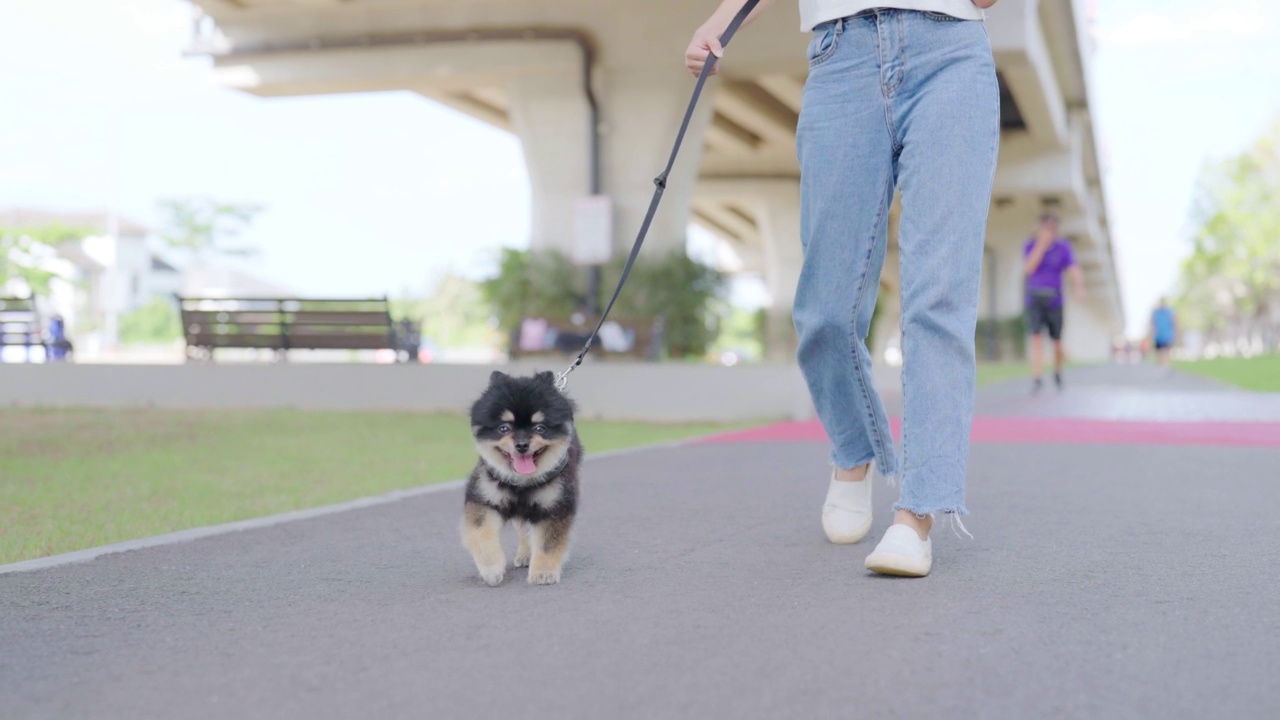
<point x="527" y="473"/>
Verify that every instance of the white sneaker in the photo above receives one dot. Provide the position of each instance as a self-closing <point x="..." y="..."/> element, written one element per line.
<point x="846" y="514"/>
<point x="902" y="552"/>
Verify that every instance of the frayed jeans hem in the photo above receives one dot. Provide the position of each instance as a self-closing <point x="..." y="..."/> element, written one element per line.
<point x="933" y="512"/>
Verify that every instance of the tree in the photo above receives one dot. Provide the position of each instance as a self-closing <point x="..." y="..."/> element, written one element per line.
<point x="677" y="288"/>
<point x="453" y="315"/>
<point x="156" y="322"/>
<point x="1230" y="285"/>
<point x="20" y="251"/>
<point x="531" y="284"/>
<point x="674" y="287"/>
<point x="202" y="226"/>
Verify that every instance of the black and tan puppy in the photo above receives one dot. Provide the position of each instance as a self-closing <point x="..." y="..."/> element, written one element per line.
<point x="527" y="473"/>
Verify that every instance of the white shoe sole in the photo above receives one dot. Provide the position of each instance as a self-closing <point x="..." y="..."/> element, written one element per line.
<point x="847" y="538"/>
<point x="899" y="565"/>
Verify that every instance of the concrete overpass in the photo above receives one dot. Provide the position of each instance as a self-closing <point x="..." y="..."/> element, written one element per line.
<point x="595" y="90"/>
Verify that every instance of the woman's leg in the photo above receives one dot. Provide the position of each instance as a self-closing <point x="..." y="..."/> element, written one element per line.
<point x="847" y="180"/>
<point x="946" y="117"/>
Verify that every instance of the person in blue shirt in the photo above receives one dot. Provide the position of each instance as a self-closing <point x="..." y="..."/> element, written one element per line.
<point x="1164" y="331"/>
<point x="58" y="347"/>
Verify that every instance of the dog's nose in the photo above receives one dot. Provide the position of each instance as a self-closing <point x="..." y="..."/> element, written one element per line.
<point x="522" y="448"/>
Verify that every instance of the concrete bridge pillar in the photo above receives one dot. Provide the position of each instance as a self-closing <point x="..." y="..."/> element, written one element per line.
<point x="778" y="219"/>
<point x="639" y="114"/>
<point x="550" y="114"/>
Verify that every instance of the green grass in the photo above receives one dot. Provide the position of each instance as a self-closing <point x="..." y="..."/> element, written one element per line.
<point x="71" y="479"/>
<point x="990" y="373"/>
<point x="1261" y="374"/>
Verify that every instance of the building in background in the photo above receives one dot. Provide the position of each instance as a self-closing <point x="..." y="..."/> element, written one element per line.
<point x="113" y="269"/>
<point x="110" y="270"/>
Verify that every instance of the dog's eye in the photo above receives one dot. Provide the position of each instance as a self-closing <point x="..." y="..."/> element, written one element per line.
<point x="540" y="429"/>
<point x="504" y="429"/>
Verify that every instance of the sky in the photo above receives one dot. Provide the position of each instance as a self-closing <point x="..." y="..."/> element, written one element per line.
<point x="1178" y="84"/>
<point x="382" y="193"/>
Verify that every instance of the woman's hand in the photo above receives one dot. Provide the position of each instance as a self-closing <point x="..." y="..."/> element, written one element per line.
<point x="705" y="42"/>
<point x="984" y="4"/>
<point x="706" y="39"/>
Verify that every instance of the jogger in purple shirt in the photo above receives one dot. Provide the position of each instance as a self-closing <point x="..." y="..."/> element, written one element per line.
<point x="1048" y="258"/>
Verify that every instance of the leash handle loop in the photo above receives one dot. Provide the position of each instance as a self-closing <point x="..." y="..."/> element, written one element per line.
<point x="660" y="185"/>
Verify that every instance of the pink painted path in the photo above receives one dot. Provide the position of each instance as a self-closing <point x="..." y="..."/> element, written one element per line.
<point x="1054" y="430"/>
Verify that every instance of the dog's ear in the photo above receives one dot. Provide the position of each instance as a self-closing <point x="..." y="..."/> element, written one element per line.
<point x="546" y="377"/>
<point x="497" y="376"/>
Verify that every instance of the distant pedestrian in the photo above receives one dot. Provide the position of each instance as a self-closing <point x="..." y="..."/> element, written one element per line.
<point x="1048" y="258"/>
<point x="59" y="346"/>
<point x="1164" y="331"/>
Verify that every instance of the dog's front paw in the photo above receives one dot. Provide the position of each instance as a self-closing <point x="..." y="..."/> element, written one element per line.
<point x="544" y="577"/>
<point x="493" y="574"/>
<point x="521" y="560"/>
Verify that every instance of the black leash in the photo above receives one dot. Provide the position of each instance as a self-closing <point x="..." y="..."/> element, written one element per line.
<point x="562" y="380"/>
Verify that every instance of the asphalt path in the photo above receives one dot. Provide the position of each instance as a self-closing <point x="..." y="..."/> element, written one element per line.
<point x="1103" y="581"/>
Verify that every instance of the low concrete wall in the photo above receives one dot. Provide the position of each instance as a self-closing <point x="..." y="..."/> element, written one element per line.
<point x="613" y="390"/>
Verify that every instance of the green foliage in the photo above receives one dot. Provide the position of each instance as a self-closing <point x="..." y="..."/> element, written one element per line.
<point x="201" y="226"/>
<point x="743" y="331"/>
<point x="528" y="284"/>
<point x="760" y="326"/>
<point x="156" y="322"/>
<point x="20" y="246"/>
<point x="1010" y="339"/>
<point x="674" y="287"/>
<point x="456" y="313"/>
<point x="678" y="289"/>
<point x="876" y="313"/>
<point x="1230" y="285"/>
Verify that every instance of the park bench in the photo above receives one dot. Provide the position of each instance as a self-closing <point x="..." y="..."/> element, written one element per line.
<point x="20" y="324"/>
<point x="284" y="324"/>
<point x="560" y="337"/>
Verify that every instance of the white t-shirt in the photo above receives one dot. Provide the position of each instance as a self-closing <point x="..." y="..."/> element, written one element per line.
<point x="816" y="12"/>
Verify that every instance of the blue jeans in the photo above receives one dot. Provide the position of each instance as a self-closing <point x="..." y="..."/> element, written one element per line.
<point x="907" y="100"/>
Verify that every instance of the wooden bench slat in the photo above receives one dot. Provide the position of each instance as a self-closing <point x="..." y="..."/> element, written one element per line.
<point x="218" y="315"/>
<point x="289" y="330"/>
<point x="331" y="333"/>
<point x="223" y="318"/>
<point x="234" y="340"/>
<point x="333" y="318"/>
<point x="284" y="304"/>
<point x="340" y="342"/>
<point x="20" y="323"/>
<point x="232" y="332"/>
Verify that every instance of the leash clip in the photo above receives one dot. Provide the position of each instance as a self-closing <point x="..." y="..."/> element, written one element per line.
<point x="562" y="378"/>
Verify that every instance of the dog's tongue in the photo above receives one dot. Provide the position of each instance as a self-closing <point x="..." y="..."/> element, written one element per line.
<point x="524" y="464"/>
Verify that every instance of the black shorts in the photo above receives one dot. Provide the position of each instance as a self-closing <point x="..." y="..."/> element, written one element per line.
<point x="1042" y="315"/>
<point x="1163" y="344"/>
